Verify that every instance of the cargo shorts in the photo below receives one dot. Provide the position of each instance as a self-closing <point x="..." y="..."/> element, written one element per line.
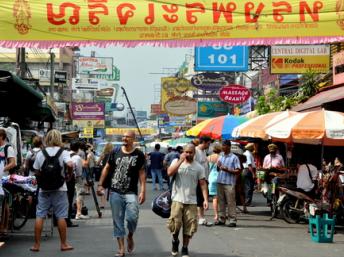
<point x="183" y="215"/>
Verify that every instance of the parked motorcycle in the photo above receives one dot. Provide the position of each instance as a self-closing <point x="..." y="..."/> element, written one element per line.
<point x="294" y="204"/>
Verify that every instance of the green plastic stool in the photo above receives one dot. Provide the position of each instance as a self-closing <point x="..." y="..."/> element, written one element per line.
<point x="322" y="228"/>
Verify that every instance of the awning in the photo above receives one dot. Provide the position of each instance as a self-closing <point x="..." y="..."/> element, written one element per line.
<point x="19" y="100"/>
<point x="11" y="84"/>
<point x="42" y="113"/>
<point x="319" y="100"/>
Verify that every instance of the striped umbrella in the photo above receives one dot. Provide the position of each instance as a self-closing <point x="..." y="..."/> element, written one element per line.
<point x="315" y="127"/>
<point x="257" y="127"/>
<point x="217" y="128"/>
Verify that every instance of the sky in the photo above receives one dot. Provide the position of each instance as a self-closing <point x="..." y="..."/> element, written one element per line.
<point x="137" y="65"/>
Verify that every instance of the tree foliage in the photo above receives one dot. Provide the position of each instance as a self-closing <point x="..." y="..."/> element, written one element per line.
<point x="273" y="102"/>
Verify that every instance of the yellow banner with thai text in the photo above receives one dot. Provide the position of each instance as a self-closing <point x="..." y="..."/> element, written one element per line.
<point x="87" y="20"/>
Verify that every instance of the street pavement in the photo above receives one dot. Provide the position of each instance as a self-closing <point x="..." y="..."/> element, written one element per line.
<point x="255" y="236"/>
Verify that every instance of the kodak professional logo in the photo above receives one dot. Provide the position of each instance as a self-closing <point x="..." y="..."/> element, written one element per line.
<point x="293" y="60"/>
<point x="277" y="63"/>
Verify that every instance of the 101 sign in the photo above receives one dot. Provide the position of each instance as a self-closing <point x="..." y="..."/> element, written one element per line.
<point x="221" y="58"/>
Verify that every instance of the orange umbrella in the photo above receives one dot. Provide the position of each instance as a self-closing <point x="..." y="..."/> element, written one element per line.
<point x="315" y="127"/>
<point x="256" y="127"/>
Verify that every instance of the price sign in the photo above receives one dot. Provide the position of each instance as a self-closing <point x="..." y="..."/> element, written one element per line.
<point x="221" y="58"/>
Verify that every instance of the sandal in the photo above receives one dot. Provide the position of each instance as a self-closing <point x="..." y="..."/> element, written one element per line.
<point x="119" y="254"/>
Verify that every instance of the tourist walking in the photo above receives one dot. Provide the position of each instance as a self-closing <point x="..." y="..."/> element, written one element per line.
<point x="126" y="167"/>
<point x="188" y="173"/>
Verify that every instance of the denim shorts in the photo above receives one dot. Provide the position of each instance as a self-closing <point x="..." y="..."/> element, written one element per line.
<point x="57" y="200"/>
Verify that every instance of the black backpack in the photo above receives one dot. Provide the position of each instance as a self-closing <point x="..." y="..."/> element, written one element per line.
<point x="50" y="176"/>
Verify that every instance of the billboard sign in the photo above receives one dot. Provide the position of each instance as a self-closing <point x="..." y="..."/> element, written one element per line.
<point x="87" y="111"/>
<point x="95" y="65"/>
<point x="89" y="123"/>
<point x="234" y="94"/>
<point x="206" y="109"/>
<point x="211" y="81"/>
<point x="155" y="108"/>
<point x="122" y="131"/>
<point x="91" y="84"/>
<point x="221" y="58"/>
<point x="60" y="77"/>
<point x="181" y="105"/>
<point x="297" y="59"/>
<point x="172" y="87"/>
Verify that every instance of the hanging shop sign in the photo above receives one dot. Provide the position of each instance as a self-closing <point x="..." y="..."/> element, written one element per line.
<point x="172" y="87"/>
<point x="86" y="84"/>
<point x="295" y="59"/>
<point x="218" y="58"/>
<point x="87" y="111"/>
<point x="87" y="132"/>
<point x="181" y="106"/>
<point x="47" y="23"/>
<point x="234" y="94"/>
<point x="122" y="131"/>
<point x="88" y="123"/>
<point x="60" y="77"/>
<point x="95" y="65"/>
<point x="211" y="81"/>
<point x="207" y="109"/>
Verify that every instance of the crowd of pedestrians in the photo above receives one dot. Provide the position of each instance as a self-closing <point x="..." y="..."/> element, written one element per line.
<point x="200" y="171"/>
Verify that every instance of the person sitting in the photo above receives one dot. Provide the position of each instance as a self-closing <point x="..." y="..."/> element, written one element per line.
<point x="306" y="177"/>
<point x="273" y="159"/>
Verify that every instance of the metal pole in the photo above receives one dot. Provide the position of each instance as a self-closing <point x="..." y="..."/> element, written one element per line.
<point x="132" y="113"/>
<point x="52" y="82"/>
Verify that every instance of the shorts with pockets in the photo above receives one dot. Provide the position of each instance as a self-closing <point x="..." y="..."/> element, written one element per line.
<point x="183" y="215"/>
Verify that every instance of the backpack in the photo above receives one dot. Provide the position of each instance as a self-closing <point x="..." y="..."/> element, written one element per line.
<point x="50" y="176"/>
<point x="161" y="204"/>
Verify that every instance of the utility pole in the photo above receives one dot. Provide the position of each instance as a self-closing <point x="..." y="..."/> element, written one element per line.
<point x="20" y="62"/>
<point x="132" y="113"/>
<point x="52" y="79"/>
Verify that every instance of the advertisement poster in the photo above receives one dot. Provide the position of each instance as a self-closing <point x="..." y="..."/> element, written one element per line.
<point x="172" y="87"/>
<point x="297" y="59"/>
<point x="95" y="65"/>
<point x="206" y="109"/>
<point x="87" y="111"/>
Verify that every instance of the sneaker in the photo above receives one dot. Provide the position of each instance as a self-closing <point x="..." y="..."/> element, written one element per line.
<point x="185" y="252"/>
<point x="201" y="221"/>
<point x="81" y="217"/>
<point x="231" y="225"/>
<point x="175" y="247"/>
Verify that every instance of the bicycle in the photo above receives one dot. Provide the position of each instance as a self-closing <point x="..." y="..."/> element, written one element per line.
<point x="19" y="202"/>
